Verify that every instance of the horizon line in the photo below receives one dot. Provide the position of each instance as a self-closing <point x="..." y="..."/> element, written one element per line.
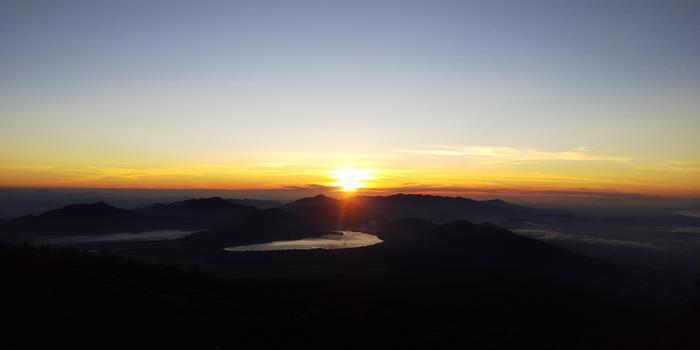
<point x="433" y="191"/>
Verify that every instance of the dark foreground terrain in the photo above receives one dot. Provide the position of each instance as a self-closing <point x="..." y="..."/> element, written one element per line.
<point x="435" y="281"/>
<point x="74" y="299"/>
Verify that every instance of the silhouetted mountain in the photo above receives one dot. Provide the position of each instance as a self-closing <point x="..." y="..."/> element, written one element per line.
<point x="259" y="227"/>
<point x="256" y="203"/>
<point x="362" y="211"/>
<point x="204" y="203"/>
<point x="207" y="212"/>
<point x="87" y="219"/>
<point x="406" y="231"/>
<point x="199" y="203"/>
<point x="465" y="244"/>
<point x="313" y="201"/>
<point x="99" y="210"/>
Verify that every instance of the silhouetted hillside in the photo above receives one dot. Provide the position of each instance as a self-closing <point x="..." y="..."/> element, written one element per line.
<point x="207" y="212"/>
<point x="362" y="211"/>
<point x="260" y="227"/>
<point x="87" y="219"/>
<point x="256" y="203"/>
<point x="73" y="299"/>
<point x="199" y="203"/>
<point x="462" y="244"/>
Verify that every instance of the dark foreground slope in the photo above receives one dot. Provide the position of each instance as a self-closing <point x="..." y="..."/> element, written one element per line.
<point x="69" y="299"/>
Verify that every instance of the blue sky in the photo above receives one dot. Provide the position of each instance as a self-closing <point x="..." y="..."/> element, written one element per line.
<point x="128" y="83"/>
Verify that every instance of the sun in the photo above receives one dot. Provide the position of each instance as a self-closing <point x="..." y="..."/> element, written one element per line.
<point x="350" y="179"/>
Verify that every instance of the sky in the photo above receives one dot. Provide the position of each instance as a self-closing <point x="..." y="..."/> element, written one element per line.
<point x="448" y="97"/>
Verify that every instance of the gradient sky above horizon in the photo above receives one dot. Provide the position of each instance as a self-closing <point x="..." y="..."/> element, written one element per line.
<point x="428" y="96"/>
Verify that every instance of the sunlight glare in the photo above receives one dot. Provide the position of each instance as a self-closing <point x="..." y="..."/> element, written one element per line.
<point x="350" y="179"/>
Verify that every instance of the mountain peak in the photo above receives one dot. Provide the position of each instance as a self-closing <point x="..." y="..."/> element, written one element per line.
<point x="316" y="200"/>
<point x="498" y="202"/>
<point x="98" y="209"/>
<point x="206" y="203"/>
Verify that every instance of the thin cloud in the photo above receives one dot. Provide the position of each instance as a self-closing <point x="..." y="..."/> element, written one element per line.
<point x="511" y="153"/>
<point x="309" y="187"/>
<point x="509" y="191"/>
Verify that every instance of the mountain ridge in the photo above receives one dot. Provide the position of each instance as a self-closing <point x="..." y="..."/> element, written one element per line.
<point x="87" y="219"/>
<point x="361" y="211"/>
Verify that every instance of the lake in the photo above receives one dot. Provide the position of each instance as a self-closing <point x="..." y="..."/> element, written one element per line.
<point x="159" y="235"/>
<point x="344" y="240"/>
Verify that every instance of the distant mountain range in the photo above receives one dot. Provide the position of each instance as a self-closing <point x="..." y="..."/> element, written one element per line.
<point x="207" y="212"/>
<point x="365" y="211"/>
<point x="400" y="221"/>
<point x="256" y="203"/>
<point x="88" y="219"/>
<point x="428" y="246"/>
<point x="227" y="222"/>
<point x="321" y="213"/>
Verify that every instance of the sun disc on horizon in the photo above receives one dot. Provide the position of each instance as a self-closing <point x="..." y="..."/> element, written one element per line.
<point x="350" y="179"/>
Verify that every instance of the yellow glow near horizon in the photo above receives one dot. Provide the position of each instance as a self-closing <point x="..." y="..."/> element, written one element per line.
<point x="350" y="179"/>
<point x="445" y="170"/>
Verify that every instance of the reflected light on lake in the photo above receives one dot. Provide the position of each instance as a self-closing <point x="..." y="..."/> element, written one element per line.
<point x="346" y="239"/>
<point x="158" y="235"/>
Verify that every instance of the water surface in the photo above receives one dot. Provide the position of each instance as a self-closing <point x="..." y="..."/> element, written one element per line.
<point x="346" y="239"/>
<point x="158" y="235"/>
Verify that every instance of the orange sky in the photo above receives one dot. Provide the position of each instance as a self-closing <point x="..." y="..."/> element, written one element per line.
<point x="434" y="169"/>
